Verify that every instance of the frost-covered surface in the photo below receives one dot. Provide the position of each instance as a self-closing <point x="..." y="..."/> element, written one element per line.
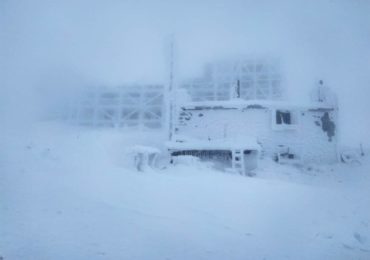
<point x="69" y="193"/>
<point x="305" y="138"/>
<point x="242" y="103"/>
<point x="185" y="143"/>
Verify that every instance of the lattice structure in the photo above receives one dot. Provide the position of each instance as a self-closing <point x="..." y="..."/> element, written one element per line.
<point x="256" y="78"/>
<point x="139" y="106"/>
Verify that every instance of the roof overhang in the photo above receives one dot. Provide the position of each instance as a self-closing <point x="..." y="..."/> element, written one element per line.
<point x="239" y="104"/>
<point x="217" y="144"/>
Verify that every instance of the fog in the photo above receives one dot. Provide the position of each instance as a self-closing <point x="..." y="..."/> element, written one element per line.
<point x="49" y="47"/>
<point x="235" y="180"/>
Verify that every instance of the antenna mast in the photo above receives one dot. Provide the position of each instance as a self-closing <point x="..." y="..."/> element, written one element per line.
<point x="170" y="94"/>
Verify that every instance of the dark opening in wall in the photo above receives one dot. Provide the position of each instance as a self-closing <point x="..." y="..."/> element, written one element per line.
<point x="328" y="125"/>
<point x="218" y="155"/>
<point x="283" y="117"/>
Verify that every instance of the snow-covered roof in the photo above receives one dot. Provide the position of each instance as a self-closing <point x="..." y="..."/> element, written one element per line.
<point x="241" y="104"/>
<point x="245" y="143"/>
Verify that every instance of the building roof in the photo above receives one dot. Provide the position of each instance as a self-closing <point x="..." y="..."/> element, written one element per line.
<point x="250" y="104"/>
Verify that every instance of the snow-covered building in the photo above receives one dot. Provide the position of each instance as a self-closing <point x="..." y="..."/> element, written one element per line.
<point x="233" y="114"/>
<point x="260" y="123"/>
<point x="285" y="131"/>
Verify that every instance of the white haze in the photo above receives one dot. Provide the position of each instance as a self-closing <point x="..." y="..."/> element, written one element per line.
<point x="76" y="193"/>
<point x="50" y="47"/>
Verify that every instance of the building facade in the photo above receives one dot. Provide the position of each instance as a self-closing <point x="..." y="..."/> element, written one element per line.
<point x="285" y="132"/>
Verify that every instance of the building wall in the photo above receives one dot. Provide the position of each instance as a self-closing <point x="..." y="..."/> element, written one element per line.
<point x="307" y="138"/>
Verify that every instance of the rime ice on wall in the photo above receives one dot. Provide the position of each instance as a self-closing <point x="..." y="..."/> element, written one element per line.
<point x="256" y="79"/>
<point x="328" y="125"/>
<point x="303" y="137"/>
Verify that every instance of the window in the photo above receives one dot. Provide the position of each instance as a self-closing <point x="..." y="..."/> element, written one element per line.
<point x="284" y="119"/>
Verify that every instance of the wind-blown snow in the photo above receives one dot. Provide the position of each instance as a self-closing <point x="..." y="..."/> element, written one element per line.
<point x="71" y="193"/>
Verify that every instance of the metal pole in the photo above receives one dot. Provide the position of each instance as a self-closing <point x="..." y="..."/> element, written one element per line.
<point x="170" y="95"/>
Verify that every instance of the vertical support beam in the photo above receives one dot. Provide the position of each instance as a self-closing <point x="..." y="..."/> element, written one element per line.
<point x="170" y="92"/>
<point x="255" y="78"/>
<point x="95" y="106"/>
<point x="238" y="88"/>
<point x="140" y="110"/>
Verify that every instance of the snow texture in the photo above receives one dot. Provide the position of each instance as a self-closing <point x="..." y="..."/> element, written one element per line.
<point x="246" y="119"/>
<point x="71" y="193"/>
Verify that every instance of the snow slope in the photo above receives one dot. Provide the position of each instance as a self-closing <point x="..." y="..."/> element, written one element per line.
<point x="71" y="193"/>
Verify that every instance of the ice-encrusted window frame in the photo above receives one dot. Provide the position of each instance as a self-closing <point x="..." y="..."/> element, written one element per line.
<point x="284" y="119"/>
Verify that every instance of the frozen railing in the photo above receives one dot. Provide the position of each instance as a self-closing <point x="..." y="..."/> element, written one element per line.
<point x="140" y="106"/>
<point x="255" y="78"/>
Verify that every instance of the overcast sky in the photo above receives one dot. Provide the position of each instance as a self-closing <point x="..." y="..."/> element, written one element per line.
<point x="66" y="43"/>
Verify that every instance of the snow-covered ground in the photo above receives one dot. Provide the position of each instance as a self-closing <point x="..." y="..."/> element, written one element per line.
<point x="71" y="193"/>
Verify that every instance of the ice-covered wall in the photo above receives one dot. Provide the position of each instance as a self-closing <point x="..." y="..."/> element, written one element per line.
<point x="306" y="138"/>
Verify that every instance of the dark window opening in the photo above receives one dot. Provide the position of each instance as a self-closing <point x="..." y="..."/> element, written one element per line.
<point x="220" y="158"/>
<point x="283" y="117"/>
<point x="287" y="155"/>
